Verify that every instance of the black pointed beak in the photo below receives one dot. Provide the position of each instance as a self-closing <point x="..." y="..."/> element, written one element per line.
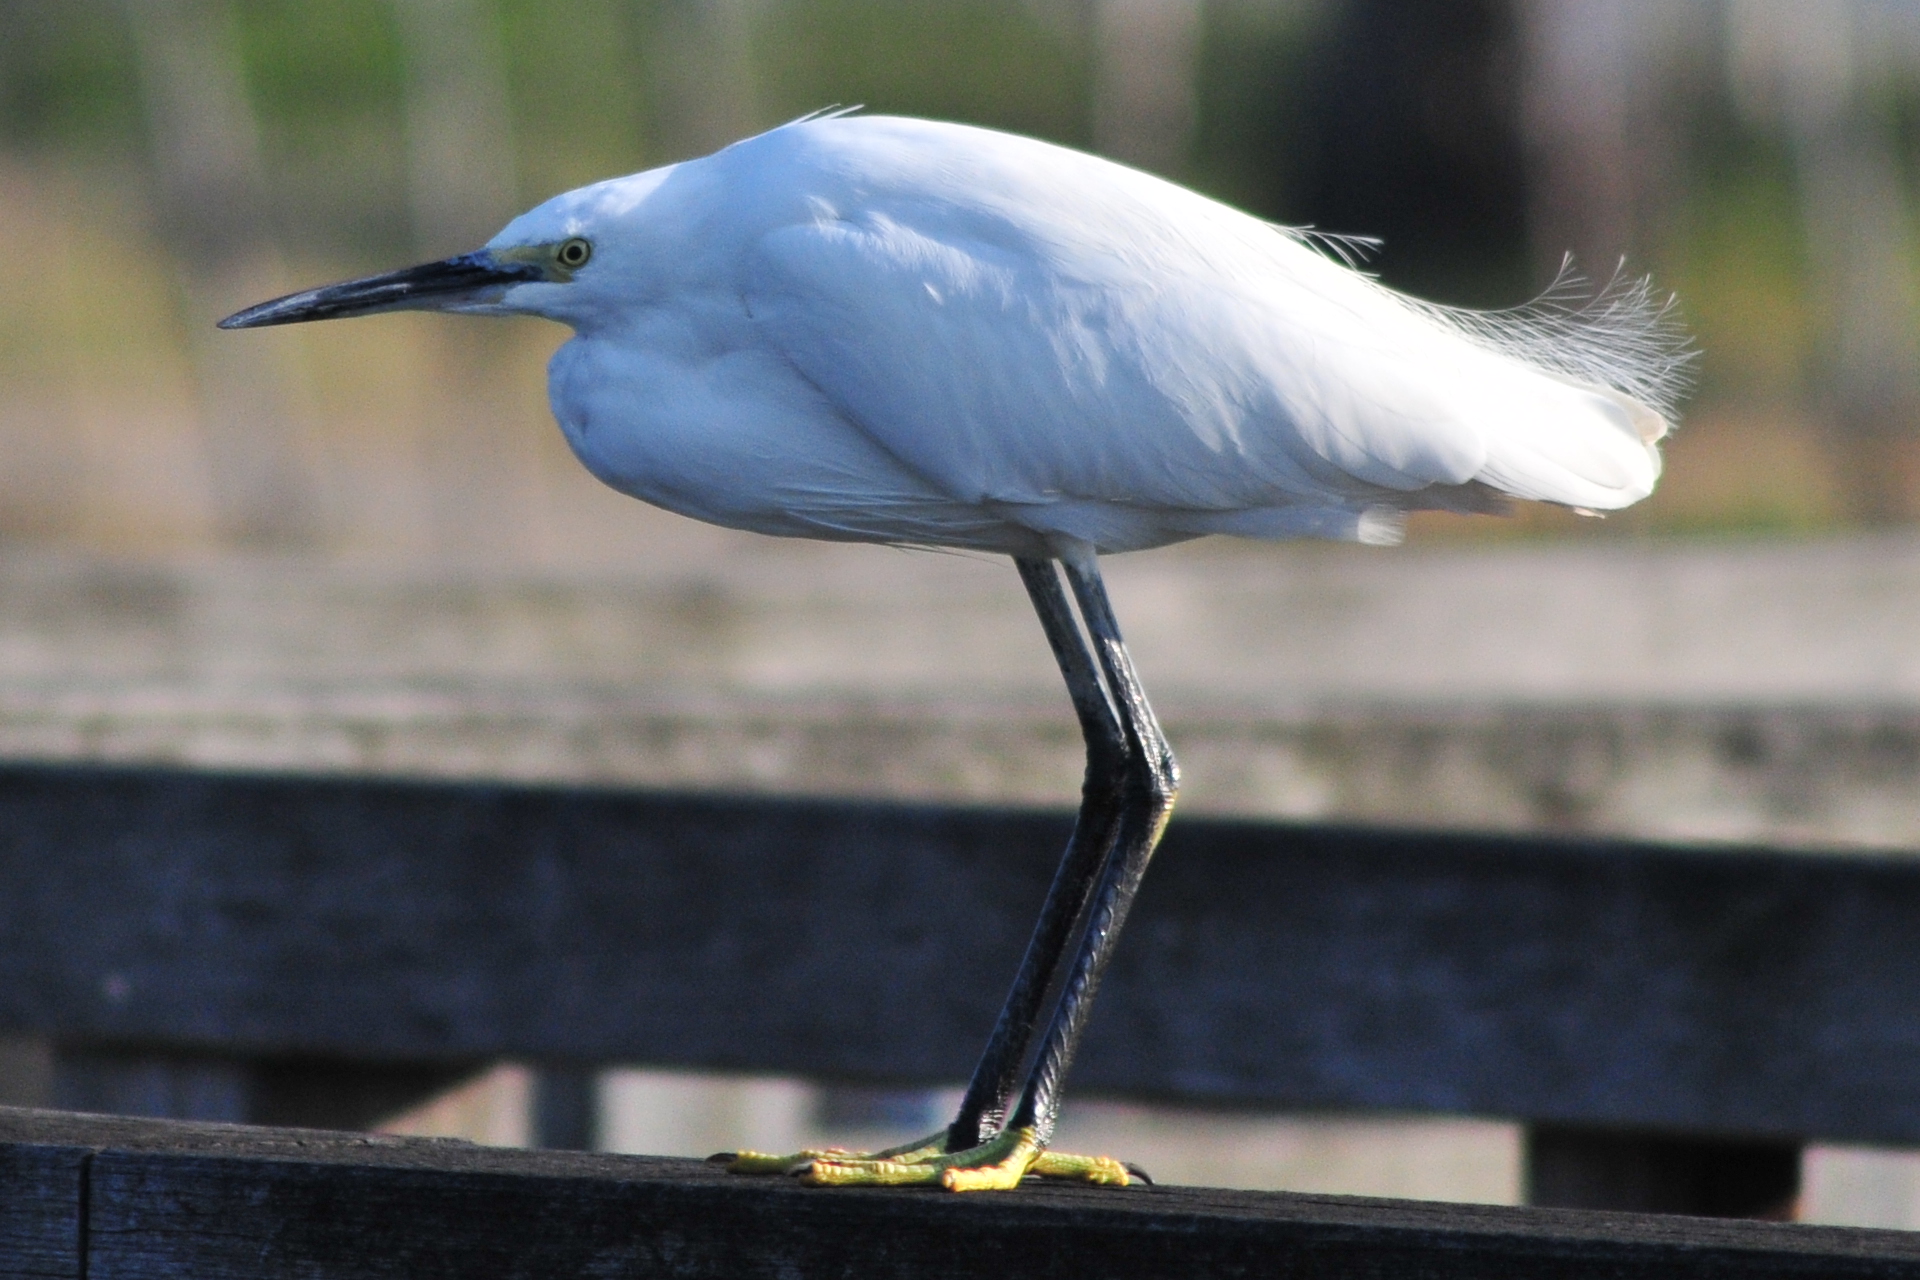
<point x="429" y="286"/>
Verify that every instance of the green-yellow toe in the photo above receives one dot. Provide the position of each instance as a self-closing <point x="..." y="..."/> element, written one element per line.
<point x="997" y="1164"/>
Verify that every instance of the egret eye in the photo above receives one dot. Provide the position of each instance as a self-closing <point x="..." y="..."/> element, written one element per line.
<point x="573" y="254"/>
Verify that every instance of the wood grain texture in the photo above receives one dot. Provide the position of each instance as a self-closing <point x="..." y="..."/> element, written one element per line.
<point x="225" y="1202"/>
<point x="1730" y="991"/>
<point x="40" y="1209"/>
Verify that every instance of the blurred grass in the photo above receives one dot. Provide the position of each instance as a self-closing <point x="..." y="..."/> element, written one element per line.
<point x="67" y="79"/>
<point x="982" y="62"/>
<point x="326" y="84"/>
<point x="582" y="91"/>
<point x="1735" y="254"/>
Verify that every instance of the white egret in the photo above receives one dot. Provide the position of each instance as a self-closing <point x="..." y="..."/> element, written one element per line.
<point x="897" y="331"/>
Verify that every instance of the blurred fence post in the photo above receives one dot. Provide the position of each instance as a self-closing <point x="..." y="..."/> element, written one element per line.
<point x="212" y="200"/>
<point x="1145" y="61"/>
<point x="566" y="1108"/>
<point x="1579" y="85"/>
<point x="1809" y="65"/>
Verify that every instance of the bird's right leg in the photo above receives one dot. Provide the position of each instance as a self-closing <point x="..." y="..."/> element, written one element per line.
<point x="1151" y="781"/>
<point x="1003" y="1067"/>
<point x="998" y="1078"/>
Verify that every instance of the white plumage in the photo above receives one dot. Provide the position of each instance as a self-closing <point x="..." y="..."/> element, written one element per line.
<point x="901" y="331"/>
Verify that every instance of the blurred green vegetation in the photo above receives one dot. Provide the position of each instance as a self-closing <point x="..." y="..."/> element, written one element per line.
<point x="1735" y="252"/>
<point x="67" y="79"/>
<point x="1255" y="101"/>
<point x="583" y="79"/>
<point x="982" y="62"/>
<point x="599" y="87"/>
<point x="595" y="89"/>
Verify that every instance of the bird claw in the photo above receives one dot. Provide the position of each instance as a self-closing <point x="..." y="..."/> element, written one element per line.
<point x="998" y="1164"/>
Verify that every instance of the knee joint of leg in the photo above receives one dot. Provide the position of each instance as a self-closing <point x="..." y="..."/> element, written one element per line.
<point x="1158" y="777"/>
<point x="1107" y="776"/>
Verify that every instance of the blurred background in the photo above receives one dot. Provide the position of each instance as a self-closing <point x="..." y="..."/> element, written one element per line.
<point x="365" y="546"/>
<point x="166" y="161"/>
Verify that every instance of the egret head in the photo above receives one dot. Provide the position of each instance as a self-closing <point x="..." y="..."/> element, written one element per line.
<point x="545" y="262"/>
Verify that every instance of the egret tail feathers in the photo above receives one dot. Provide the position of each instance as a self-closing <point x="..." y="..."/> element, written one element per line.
<point x="1621" y="362"/>
<point x="1625" y="337"/>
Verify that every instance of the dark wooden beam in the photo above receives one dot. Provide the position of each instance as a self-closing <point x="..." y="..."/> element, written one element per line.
<point x="566" y="1109"/>
<point x="87" y="1196"/>
<point x="239" y="1088"/>
<point x="1573" y="1167"/>
<point x="1740" y="992"/>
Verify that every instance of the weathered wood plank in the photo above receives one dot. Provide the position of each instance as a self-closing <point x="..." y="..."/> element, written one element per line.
<point x="40" y="1207"/>
<point x="218" y="1202"/>
<point x="1581" y="982"/>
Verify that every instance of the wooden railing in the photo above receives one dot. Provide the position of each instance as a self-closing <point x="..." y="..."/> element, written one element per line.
<point x="310" y="950"/>
<point x="86" y="1196"/>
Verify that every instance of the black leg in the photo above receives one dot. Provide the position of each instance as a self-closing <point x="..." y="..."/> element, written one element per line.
<point x="1130" y="785"/>
<point x="1151" y="782"/>
<point x="991" y="1095"/>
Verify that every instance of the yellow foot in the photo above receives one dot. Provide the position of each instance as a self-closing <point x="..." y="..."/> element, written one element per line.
<point x="761" y="1162"/>
<point x="997" y="1164"/>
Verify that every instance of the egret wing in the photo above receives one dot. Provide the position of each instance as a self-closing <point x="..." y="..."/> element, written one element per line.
<point x="1027" y="326"/>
